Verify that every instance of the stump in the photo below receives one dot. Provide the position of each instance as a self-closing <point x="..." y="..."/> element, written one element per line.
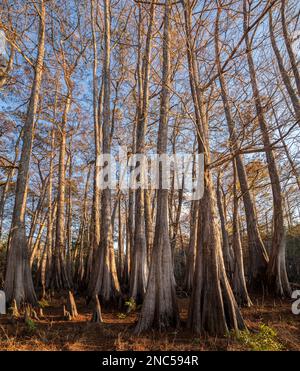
<point x="66" y="314"/>
<point x="30" y="313"/>
<point x="97" y="315"/>
<point x="14" y="309"/>
<point x="71" y="305"/>
<point x="27" y="314"/>
<point x="34" y="315"/>
<point x="41" y="313"/>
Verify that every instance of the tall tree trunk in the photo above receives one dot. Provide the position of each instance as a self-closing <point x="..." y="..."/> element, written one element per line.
<point x="148" y="223"/>
<point x="238" y="281"/>
<point x="277" y="276"/>
<point x="36" y="249"/>
<point x="191" y="253"/>
<point x="120" y="243"/>
<point x="139" y="271"/>
<point x="127" y="252"/>
<point x="35" y="218"/>
<point x="228" y="259"/>
<point x="18" y="279"/>
<point x="258" y="255"/>
<point x="48" y="244"/>
<point x="69" y="257"/>
<point x="46" y="276"/>
<point x="176" y="224"/>
<point x="97" y="110"/>
<point x="59" y="276"/>
<point x="213" y="308"/>
<point x="160" y="306"/>
<point x="104" y="276"/>
<point x="82" y="237"/>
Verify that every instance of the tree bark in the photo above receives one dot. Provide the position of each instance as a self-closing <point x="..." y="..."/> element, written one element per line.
<point x="18" y="279"/>
<point x="228" y="258"/>
<point x="258" y="254"/>
<point x="160" y="306"/>
<point x="238" y="282"/>
<point x="276" y="272"/>
<point x="97" y="110"/>
<point x="120" y="243"/>
<point x="148" y="223"/>
<point x="59" y="276"/>
<point x="71" y="305"/>
<point x="139" y="271"/>
<point x="97" y="314"/>
<point x="213" y="308"/>
<point x="104" y="280"/>
<point x="191" y="253"/>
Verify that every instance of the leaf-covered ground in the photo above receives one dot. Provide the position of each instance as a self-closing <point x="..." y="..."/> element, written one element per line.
<point x="271" y="323"/>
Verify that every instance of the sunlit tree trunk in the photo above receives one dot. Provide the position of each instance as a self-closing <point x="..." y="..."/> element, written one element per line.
<point x="59" y="276"/>
<point x="160" y="306"/>
<point x="83" y="240"/>
<point x="69" y="253"/>
<point x="148" y="223"/>
<point x="97" y="110"/>
<point x="276" y="273"/>
<point x="258" y="254"/>
<point x="104" y="280"/>
<point x="18" y="280"/>
<point x="139" y="264"/>
<point x="120" y="243"/>
<point x="48" y="244"/>
<point x="213" y="308"/>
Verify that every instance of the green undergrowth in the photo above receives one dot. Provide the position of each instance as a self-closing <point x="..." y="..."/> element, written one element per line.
<point x="265" y="339"/>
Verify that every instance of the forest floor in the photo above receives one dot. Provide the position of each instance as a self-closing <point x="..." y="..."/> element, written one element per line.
<point x="271" y="323"/>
